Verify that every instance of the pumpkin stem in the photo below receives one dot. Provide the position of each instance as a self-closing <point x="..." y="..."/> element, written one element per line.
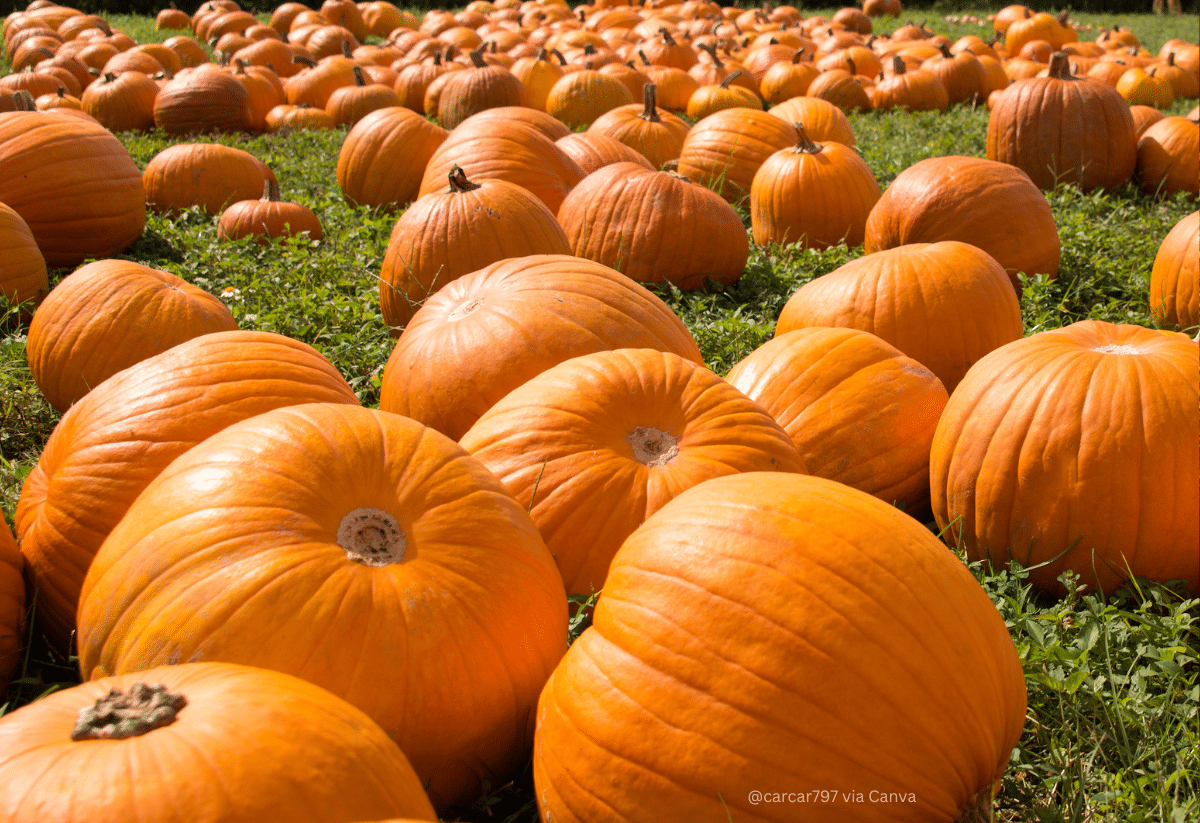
<point x="853" y="69"/>
<point x="589" y="49"/>
<point x="729" y="78"/>
<point x="650" y="99"/>
<point x="804" y="143"/>
<point x="797" y="57"/>
<point x="562" y="61"/>
<point x="653" y="447"/>
<point x="270" y="191"/>
<point x="540" y="55"/>
<point x="307" y="61"/>
<point x="459" y="182"/>
<point x="346" y="50"/>
<point x="898" y="65"/>
<point x="712" y="52"/>
<point x="1060" y="66"/>
<point x="130" y="714"/>
<point x="477" y="58"/>
<point x="1062" y="18"/>
<point x="372" y="537"/>
<point x="978" y="808"/>
<point x="946" y="51"/>
<point x="645" y="60"/>
<point x="666" y="36"/>
<point x="1170" y="58"/>
<point x="108" y="77"/>
<point x="359" y="80"/>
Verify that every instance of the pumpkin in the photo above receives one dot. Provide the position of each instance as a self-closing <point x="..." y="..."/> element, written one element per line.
<point x="1030" y="128"/>
<point x="1075" y="449"/>
<point x="234" y="743"/>
<point x="203" y="100"/>
<point x="467" y="346"/>
<point x="122" y="102"/>
<point x="538" y="76"/>
<point x="791" y="634"/>
<point x="172" y="18"/>
<point x="383" y="157"/>
<point x="349" y="104"/>
<point x="482" y="87"/>
<point x="1140" y="88"/>
<point x="581" y="97"/>
<point x="991" y="205"/>
<point x="288" y="117"/>
<point x="1168" y="157"/>
<point x="655" y="226"/>
<point x="944" y="304"/>
<point x="788" y="78"/>
<point x="839" y="87"/>
<point x="713" y="98"/>
<point x="822" y="120"/>
<point x="1143" y="118"/>
<point x="23" y="277"/>
<point x="511" y="150"/>
<point x="267" y="219"/>
<point x="12" y="603"/>
<point x="918" y="90"/>
<point x="73" y="184"/>
<point x="858" y="410"/>
<point x="550" y="127"/>
<point x="724" y="150"/>
<point x="355" y="514"/>
<point x="110" y="445"/>
<point x="595" y="445"/>
<point x="593" y="151"/>
<point x="1175" y="277"/>
<point x="814" y="194"/>
<point x="207" y="175"/>
<point x="655" y="133"/>
<point x="109" y="315"/>
<point x="436" y="240"/>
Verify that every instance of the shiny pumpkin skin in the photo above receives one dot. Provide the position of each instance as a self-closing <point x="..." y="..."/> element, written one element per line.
<point x="109" y="315"/>
<point x="250" y="745"/>
<point x="595" y="445"/>
<point x="1175" y="277"/>
<point x="788" y="633"/>
<point x="446" y="644"/>
<point x="1078" y="442"/>
<point x="724" y="150"/>
<point x="943" y="304"/>
<point x="383" y="157"/>
<point x="24" y="278"/>
<point x="110" y="445"/>
<point x="857" y="409"/>
<point x="595" y="151"/>
<point x="467" y="346"/>
<point x="991" y="205"/>
<point x="73" y="184"/>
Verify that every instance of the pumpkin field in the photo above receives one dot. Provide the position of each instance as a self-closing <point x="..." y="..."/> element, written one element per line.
<point x="533" y="412"/>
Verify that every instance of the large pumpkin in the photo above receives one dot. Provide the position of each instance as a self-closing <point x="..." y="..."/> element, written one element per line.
<point x="202" y="742"/>
<point x="469" y="344"/>
<point x="595" y="445"/>
<point x="207" y="175"/>
<point x="356" y="549"/>
<point x="109" y="315"/>
<point x="73" y="183"/>
<point x="943" y="304"/>
<point x="857" y="409"/>
<point x="1075" y="449"/>
<point x="23" y="277"/>
<point x="789" y="636"/>
<point x="111" y="444"/>
<point x="724" y="150"/>
<point x="383" y="157"/>
<point x="1175" y="278"/>
<point x="991" y="205"/>
<point x="1168" y="157"/>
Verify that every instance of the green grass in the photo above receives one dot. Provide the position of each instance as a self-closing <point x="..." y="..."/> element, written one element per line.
<point x="1112" y="726"/>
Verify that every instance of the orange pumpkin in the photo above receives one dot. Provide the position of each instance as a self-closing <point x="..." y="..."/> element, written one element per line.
<point x="779" y="628"/>
<point x="943" y="304"/>
<point x="23" y="278"/>
<point x="655" y="133"/>
<point x="109" y="315"/>
<point x="267" y="218"/>
<point x="858" y="410"/>
<point x="467" y="346"/>
<point x="581" y="97"/>
<point x="1075" y="449"/>
<point x="206" y="99"/>
<point x="207" y="175"/>
<point x="383" y="157"/>
<point x="234" y="743"/>
<point x="724" y="150"/>
<point x="111" y="444"/>
<point x="595" y="445"/>
<point x="12" y="603"/>
<point x="822" y="120"/>
<point x="397" y="563"/>
<point x="1175" y="278"/>
<point x="595" y="151"/>
<point x="1168" y="157"/>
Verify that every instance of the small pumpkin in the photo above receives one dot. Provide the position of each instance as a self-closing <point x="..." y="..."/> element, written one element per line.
<point x="482" y="87"/>
<point x="822" y="120"/>
<point x="267" y="219"/>
<point x="1168" y="157"/>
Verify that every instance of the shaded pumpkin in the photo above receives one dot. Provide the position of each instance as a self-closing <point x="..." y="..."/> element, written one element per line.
<point x="592" y="151"/>
<point x="1075" y="449"/>
<point x="23" y="277"/>
<point x="267" y="219"/>
<point x="382" y="159"/>
<point x="467" y="346"/>
<point x="241" y="744"/>
<point x="12" y="603"/>
<point x="1168" y="157"/>
<point x="595" y="445"/>
<point x="857" y="409"/>
<point x="202" y="100"/>
<point x="1175" y="277"/>
<point x="349" y="514"/>
<point x="207" y="175"/>
<point x="755" y="599"/>
<point x="944" y="304"/>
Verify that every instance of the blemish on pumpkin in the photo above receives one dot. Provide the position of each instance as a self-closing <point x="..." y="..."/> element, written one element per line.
<point x="466" y="308"/>
<point x="1113" y="348"/>
<point x="653" y="447"/>
<point x="372" y="537"/>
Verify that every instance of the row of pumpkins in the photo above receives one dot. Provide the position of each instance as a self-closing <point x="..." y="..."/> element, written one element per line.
<point x="227" y="529"/>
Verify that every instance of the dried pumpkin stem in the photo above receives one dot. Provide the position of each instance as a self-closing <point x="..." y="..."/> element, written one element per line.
<point x="128" y="714"/>
<point x="1060" y="66"/>
<point x="978" y="808"/>
<point x="654" y="447"/>
<point x="270" y="191"/>
<point x="650" y="101"/>
<point x="372" y="537"/>
<point x="459" y="182"/>
<point x="898" y="66"/>
<point x="804" y="143"/>
<point x="729" y="78"/>
<point x="477" y="58"/>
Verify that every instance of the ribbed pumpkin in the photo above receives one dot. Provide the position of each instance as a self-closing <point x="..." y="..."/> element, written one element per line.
<point x="943" y="304"/>
<point x="595" y="151"/>
<point x="813" y="194"/>
<point x="73" y="184"/>
<point x="412" y="584"/>
<point x="111" y="444"/>
<point x="991" y="205"/>
<point x="349" y="104"/>
<point x="268" y="218"/>
<point x="207" y="175"/>
<point x="12" y="603"/>
<point x="839" y="87"/>
<point x="655" y="133"/>
<point x="791" y="634"/>
<point x="688" y="233"/>
<point x="593" y="446"/>
<point x="205" y="99"/>
<point x="383" y="157"/>
<point x="857" y="409"/>
<point x="1038" y="126"/>
<point x="437" y="240"/>
<point x="512" y="151"/>
<point x="1168" y="157"/>
<point x="788" y="78"/>
<point x="822" y="120"/>
<point x="109" y="315"/>
<point x="482" y="87"/>
<point x="467" y="346"/>
<point x="917" y="90"/>
<point x="961" y="74"/>
<point x="1076" y="449"/>
<point x="122" y="102"/>
<point x="724" y="150"/>
<point x="580" y="97"/>
<point x="234" y="743"/>
<point x="23" y="277"/>
<point x="1175" y="278"/>
<point x="724" y="95"/>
